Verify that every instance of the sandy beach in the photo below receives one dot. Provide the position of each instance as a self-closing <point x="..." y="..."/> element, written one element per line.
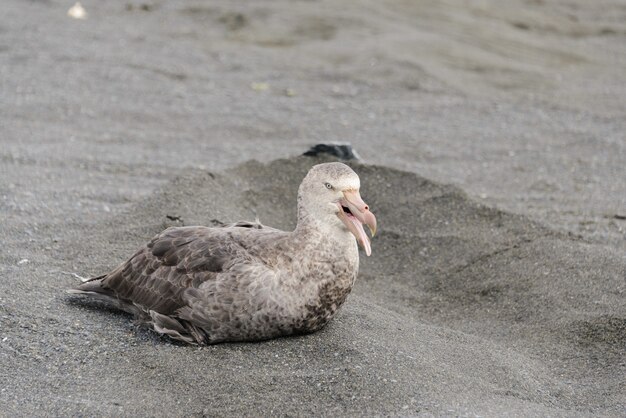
<point x="493" y="152"/>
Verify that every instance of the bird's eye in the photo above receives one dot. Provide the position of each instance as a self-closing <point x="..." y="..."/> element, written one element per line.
<point x="328" y="185"/>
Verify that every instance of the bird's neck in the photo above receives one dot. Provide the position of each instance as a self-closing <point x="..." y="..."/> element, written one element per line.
<point x="317" y="234"/>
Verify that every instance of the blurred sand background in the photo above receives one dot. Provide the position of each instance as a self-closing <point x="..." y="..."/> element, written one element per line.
<point x="497" y="131"/>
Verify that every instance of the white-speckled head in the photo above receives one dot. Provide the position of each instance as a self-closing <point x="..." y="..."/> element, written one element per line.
<point x="329" y="196"/>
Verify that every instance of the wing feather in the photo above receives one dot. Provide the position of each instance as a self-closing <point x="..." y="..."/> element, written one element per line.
<point x="189" y="282"/>
<point x="175" y="260"/>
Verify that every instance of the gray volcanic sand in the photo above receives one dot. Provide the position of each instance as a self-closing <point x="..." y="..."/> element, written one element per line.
<point x="109" y="125"/>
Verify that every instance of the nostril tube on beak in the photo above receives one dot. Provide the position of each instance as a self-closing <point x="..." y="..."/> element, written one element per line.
<point x="354" y="198"/>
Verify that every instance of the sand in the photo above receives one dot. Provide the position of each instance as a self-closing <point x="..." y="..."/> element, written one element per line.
<point x="492" y="138"/>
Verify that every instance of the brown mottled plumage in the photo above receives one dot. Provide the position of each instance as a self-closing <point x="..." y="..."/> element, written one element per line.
<point x="246" y="281"/>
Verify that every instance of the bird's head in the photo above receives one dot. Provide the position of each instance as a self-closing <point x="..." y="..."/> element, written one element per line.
<point x="330" y="194"/>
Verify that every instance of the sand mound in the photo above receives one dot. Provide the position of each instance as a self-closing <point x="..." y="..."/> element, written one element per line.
<point x="461" y="310"/>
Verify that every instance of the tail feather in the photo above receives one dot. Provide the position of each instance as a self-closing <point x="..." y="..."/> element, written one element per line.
<point x="93" y="285"/>
<point x="94" y="288"/>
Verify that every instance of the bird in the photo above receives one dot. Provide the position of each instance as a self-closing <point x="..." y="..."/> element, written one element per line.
<point x="247" y="281"/>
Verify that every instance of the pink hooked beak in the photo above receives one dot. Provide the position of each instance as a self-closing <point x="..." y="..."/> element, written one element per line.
<point x="354" y="213"/>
